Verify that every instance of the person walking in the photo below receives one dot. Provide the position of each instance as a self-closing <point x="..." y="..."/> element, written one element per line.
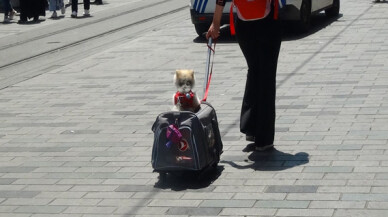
<point x="259" y="37"/>
<point x="74" y="8"/>
<point x="55" y="5"/>
<point x="9" y="12"/>
<point x="32" y="9"/>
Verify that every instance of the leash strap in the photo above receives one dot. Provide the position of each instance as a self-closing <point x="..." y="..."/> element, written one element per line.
<point x="209" y="77"/>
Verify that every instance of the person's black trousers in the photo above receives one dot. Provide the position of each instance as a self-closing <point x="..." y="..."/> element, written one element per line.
<point x="260" y="42"/>
<point x="32" y="9"/>
<point x="74" y="5"/>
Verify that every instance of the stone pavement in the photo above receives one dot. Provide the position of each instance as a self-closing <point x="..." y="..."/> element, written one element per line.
<point x="76" y="141"/>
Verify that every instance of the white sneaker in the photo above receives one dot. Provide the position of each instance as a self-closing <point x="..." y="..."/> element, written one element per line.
<point x="54" y="15"/>
<point x="63" y="10"/>
<point x="74" y="14"/>
<point x="86" y="13"/>
<point x="12" y="14"/>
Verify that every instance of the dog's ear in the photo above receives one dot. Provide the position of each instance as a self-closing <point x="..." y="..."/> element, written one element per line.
<point x="184" y="73"/>
<point x="191" y="72"/>
<point x="178" y="72"/>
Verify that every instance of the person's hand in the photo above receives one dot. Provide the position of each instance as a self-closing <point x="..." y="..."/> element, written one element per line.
<point x="213" y="32"/>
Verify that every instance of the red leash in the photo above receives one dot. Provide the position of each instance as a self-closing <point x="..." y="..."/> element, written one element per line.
<point x="209" y="77"/>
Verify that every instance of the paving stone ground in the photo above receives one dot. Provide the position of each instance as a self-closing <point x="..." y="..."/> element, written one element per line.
<point x="76" y="141"/>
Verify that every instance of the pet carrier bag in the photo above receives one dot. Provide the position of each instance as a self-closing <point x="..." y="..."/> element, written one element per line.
<point x="187" y="141"/>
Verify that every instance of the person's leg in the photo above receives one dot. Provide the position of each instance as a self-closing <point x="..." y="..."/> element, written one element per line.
<point x="266" y="109"/>
<point x="52" y="5"/>
<point x="248" y="46"/>
<point x="74" y="8"/>
<point x="271" y="48"/>
<point x="6" y="11"/>
<point x="62" y="6"/>
<point x="86" y="8"/>
<point x="86" y="4"/>
<point x="260" y="44"/>
<point x="7" y="7"/>
<point x="23" y="11"/>
<point x="37" y="8"/>
<point x="12" y="11"/>
<point x="74" y="5"/>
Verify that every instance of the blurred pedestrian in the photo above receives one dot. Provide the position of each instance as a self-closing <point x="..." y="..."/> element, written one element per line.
<point x="74" y="8"/>
<point x="32" y="9"/>
<point x="9" y="12"/>
<point x="57" y="5"/>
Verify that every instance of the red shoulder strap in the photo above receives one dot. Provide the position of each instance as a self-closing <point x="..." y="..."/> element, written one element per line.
<point x="231" y="20"/>
<point x="276" y="8"/>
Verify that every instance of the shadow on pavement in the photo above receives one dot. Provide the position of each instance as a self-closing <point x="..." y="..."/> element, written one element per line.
<point x="184" y="181"/>
<point x="271" y="160"/>
<point x="318" y="22"/>
<point x="83" y="17"/>
<point x="31" y="22"/>
<point x="380" y="1"/>
<point x="60" y="17"/>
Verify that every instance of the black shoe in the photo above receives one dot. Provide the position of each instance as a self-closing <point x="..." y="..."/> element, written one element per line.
<point x="22" y="21"/>
<point x="250" y="138"/>
<point x="264" y="147"/>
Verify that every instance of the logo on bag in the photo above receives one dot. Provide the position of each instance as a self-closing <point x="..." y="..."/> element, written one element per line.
<point x="183" y="145"/>
<point x="183" y="159"/>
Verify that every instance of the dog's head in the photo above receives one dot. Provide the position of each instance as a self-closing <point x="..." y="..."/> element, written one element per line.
<point x="184" y="80"/>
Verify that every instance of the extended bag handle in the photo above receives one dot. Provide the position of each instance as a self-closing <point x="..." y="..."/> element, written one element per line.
<point x="209" y="67"/>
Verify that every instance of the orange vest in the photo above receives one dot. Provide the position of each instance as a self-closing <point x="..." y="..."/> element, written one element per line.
<point x="252" y="10"/>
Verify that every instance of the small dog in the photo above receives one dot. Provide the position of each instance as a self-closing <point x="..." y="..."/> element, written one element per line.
<point x="185" y="99"/>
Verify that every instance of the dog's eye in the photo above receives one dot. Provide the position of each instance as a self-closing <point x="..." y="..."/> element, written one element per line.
<point x="188" y="83"/>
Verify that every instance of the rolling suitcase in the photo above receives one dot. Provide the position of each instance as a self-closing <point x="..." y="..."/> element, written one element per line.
<point x="185" y="141"/>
